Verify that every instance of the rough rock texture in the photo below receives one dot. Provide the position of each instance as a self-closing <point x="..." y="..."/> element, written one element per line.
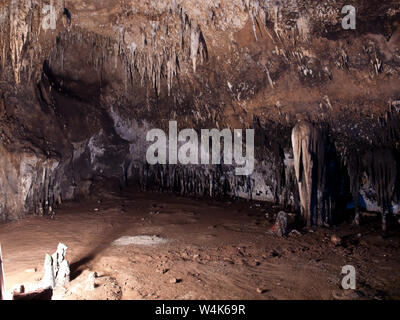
<point x="76" y="102"/>
<point x="316" y="173"/>
<point x="280" y="228"/>
<point x="56" y="268"/>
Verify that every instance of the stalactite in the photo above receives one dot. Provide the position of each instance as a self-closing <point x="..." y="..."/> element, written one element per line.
<point x="310" y="162"/>
<point x="157" y="48"/>
<point x="186" y="180"/>
<point x="382" y="170"/>
<point x="194" y="44"/>
<point x="18" y="34"/>
<point x="354" y="168"/>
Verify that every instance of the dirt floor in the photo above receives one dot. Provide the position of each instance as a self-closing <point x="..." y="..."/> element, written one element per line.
<point x="214" y="250"/>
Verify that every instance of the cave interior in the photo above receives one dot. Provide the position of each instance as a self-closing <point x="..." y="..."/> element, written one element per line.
<point x="82" y="83"/>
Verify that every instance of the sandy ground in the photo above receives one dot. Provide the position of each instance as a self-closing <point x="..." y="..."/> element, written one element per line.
<point x="214" y="250"/>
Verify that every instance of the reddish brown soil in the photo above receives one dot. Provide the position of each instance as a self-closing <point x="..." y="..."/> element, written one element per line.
<point x="216" y="250"/>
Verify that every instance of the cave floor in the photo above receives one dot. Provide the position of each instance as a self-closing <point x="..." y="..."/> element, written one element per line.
<point x="215" y="250"/>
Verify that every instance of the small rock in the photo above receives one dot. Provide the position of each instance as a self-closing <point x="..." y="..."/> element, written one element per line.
<point x="275" y="254"/>
<point x="30" y="270"/>
<point x="19" y="288"/>
<point x="347" y="294"/>
<point x="96" y="209"/>
<point x="261" y="291"/>
<point x="90" y="282"/>
<point x="295" y="233"/>
<point x="280" y="228"/>
<point x="336" y="240"/>
<point x="175" y="280"/>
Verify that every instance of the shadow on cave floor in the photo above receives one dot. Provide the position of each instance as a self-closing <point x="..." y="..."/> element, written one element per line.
<point x="214" y="250"/>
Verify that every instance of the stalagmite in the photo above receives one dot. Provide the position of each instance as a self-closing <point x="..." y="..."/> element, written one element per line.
<point x="48" y="280"/>
<point x="56" y="268"/>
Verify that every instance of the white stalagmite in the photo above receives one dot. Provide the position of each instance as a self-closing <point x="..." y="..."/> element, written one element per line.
<point x="48" y="280"/>
<point x="61" y="266"/>
<point x="56" y="268"/>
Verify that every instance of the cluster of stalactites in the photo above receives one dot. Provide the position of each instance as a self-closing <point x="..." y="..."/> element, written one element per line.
<point x="263" y="11"/>
<point x="193" y="181"/>
<point x="161" y="51"/>
<point x="376" y="164"/>
<point x="20" y="29"/>
<point x="166" y="48"/>
<point x="173" y="45"/>
<point x="45" y="194"/>
<point x="102" y="53"/>
<point x="380" y="166"/>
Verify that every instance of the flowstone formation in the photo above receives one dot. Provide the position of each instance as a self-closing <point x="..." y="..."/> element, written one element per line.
<point x="77" y="100"/>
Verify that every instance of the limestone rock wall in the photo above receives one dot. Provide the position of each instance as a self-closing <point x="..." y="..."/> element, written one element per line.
<point x="76" y="101"/>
